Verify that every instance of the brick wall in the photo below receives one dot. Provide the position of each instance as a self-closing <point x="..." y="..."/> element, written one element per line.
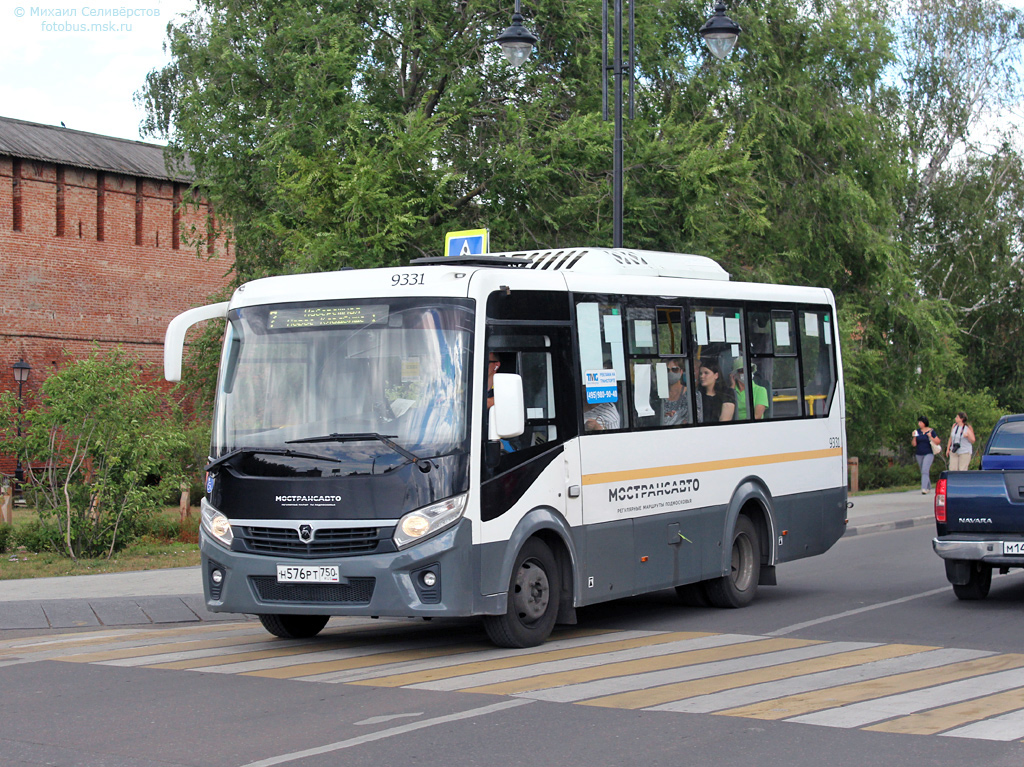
<point x="90" y="257"/>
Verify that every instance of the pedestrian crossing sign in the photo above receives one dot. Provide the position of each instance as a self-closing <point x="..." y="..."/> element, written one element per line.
<point x="472" y="242"/>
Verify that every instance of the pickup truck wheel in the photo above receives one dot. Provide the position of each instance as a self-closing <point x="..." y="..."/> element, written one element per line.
<point x="978" y="585"/>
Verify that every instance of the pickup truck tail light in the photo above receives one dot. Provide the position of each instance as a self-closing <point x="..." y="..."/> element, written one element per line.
<point x="940" y="501"/>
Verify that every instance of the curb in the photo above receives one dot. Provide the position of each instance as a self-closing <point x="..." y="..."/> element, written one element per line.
<point x="878" y="527"/>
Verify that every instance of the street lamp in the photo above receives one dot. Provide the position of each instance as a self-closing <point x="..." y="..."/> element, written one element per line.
<point x="21" y="371"/>
<point x="517" y="41"/>
<point x="720" y="33"/>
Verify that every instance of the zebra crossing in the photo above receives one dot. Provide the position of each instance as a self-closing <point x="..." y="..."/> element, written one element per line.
<point x="880" y="687"/>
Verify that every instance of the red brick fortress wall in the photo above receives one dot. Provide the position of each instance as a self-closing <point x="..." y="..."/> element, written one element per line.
<point x="88" y="256"/>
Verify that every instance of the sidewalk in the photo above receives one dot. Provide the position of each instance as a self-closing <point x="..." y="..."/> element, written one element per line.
<point x="176" y="595"/>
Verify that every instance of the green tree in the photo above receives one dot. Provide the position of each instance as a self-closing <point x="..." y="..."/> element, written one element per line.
<point x="95" y="450"/>
<point x="961" y="221"/>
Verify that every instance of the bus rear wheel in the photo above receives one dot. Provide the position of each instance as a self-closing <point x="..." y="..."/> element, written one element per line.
<point x="739" y="586"/>
<point x="533" y="595"/>
<point x="294" y="626"/>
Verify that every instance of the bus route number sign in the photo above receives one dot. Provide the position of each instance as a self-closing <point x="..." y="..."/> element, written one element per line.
<point x="601" y="386"/>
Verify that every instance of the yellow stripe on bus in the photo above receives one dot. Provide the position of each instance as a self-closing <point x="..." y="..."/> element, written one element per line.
<point x="693" y="468"/>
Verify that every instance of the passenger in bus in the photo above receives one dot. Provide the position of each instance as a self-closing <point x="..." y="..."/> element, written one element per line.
<point x="715" y="400"/>
<point x="493" y="366"/>
<point x="676" y="407"/>
<point x="601" y="416"/>
<point x="758" y="393"/>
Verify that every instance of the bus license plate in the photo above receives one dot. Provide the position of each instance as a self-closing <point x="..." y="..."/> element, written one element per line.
<point x="307" y="574"/>
<point x="1013" y="547"/>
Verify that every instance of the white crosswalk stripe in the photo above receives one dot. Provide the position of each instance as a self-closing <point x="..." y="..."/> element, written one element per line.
<point x="950" y="692"/>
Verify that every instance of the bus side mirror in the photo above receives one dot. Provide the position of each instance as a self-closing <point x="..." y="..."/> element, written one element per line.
<point x="507" y="417"/>
<point x="174" y="338"/>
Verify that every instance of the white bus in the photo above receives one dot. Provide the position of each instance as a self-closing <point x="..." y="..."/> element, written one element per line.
<point x="653" y="426"/>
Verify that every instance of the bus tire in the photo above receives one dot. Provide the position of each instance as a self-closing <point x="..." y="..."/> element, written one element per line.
<point x="533" y="595"/>
<point x="739" y="586"/>
<point x="978" y="584"/>
<point x="693" y="594"/>
<point x="294" y="626"/>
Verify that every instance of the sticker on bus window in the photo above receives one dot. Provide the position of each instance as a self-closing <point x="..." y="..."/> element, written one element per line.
<point x="827" y="331"/>
<point x="410" y="369"/>
<point x="716" y="330"/>
<point x="643" y="333"/>
<point x="732" y="330"/>
<point x="642" y="390"/>
<point x="601" y="386"/>
<point x="782" y="333"/>
<point x="811" y="324"/>
<point x="700" y="322"/>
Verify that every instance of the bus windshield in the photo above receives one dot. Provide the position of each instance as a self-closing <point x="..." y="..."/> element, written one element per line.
<point x="360" y="384"/>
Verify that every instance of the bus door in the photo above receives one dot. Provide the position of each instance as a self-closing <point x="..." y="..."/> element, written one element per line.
<point x="537" y="472"/>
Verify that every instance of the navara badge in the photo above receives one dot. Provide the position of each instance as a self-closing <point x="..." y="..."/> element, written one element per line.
<point x="305" y="533"/>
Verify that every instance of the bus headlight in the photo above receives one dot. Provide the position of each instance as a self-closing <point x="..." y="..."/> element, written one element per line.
<point x="425" y="522"/>
<point x="216" y="524"/>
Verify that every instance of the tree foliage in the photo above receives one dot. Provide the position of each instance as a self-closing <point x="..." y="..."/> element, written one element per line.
<point x="98" y="451"/>
<point x="836" y="148"/>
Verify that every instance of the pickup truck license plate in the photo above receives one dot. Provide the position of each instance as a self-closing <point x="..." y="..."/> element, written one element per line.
<point x="307" y="574"/>
<point x="1013" y="547"/>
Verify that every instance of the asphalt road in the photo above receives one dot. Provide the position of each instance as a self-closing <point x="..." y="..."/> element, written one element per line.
<point x="862" y="657"/>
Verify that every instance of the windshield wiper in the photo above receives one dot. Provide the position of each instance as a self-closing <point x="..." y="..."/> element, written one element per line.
<point x="268" y="451"/>
<point x="388" y="439"/>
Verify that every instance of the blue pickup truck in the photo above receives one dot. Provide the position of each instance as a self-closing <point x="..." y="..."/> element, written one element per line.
<point x="979" y="515"/>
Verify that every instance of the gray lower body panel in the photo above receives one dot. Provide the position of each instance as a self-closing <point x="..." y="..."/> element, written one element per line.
<point x="375" y="584"/>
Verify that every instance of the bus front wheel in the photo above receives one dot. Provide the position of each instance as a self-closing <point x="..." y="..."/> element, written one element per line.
<point x="294" y="626"/>
<point x="739" y="586"/>
<point x="533" y="594"/>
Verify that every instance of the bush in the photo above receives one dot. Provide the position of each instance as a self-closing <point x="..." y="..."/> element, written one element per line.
<point x="6" y="536"/>
<point x="34" y="536"/>
<point x="877" y="472"/>
<point x="98" y="450"/>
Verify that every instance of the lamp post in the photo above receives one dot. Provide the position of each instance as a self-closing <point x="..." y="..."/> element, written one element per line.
<point x="720" y="33"/>
<point x="21" y="371"/>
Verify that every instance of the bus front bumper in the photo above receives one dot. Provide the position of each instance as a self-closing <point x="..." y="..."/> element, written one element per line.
<point x="390" y="584"/>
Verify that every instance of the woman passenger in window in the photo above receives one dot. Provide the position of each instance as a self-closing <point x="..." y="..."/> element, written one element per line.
<point x="676" y="407"/>
<point x="716" y="401"/>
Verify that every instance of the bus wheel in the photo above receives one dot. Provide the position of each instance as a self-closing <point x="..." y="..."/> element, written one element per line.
<point x="978" y="585"/>
<point x="738" y="588"/>
<point x="532" y="600"/>
<point x="294" y="626"/>
<point x="693" y="594"/>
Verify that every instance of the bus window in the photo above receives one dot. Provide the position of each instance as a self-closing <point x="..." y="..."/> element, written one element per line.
<point x="817" y="362"/>
<point x="779" y="377"/>
<point x="719" y="350"/>
<point x="602" y="363"/>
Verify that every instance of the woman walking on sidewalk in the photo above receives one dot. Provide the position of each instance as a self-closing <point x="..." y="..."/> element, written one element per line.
<point x="926" y="445"/>
<point x="961" y="441"/>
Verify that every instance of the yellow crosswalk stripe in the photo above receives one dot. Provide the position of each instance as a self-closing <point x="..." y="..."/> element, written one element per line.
<point x="655" y="696"/>
<point x="641" y="666"/>
<point x="518" y="661"/>
<point x="388" y="658"/>
<point x="157" y="649"/>
<point x="955" y="715"/>
<point x="833" y="697"/>
<point x="51" y="642"/>
<point x="364" y="661"/>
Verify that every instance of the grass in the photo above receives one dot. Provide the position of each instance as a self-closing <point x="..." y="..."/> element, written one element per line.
<point x="148" y="553"/>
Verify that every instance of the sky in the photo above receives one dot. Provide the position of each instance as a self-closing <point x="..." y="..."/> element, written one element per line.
<point x="80" y="62"/>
